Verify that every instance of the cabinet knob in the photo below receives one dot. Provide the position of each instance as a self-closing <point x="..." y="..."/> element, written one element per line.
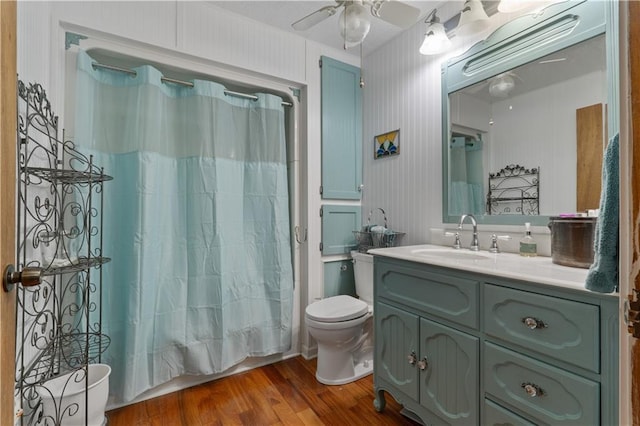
<point x="532" y="390"/>
<point x="533" y="323"/>
<point x="413" y="358"/>
<point x="423" y="364"/>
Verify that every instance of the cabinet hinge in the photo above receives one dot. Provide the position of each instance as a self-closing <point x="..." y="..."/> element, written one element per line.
<point x="321" y="189"/>
<point x="320" y="62"/>
<point x="321" y="212"/>
<point x="632" y="313"/>
<point x="320" y="246"/>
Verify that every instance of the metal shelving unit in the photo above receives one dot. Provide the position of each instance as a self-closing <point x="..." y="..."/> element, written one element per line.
<point x="59" y="321"/>
<point x="514" y="190"/>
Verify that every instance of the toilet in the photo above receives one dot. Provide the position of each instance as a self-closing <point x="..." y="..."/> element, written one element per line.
<point x="343" y="328"/>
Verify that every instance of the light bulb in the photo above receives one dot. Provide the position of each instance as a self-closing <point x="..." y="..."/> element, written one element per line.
<point x="354" y="24"/>
<point x="473" y="18"/>
<point x="435" y="40"/>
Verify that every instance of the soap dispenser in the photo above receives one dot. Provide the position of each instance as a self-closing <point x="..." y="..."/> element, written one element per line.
<point x="528" y="246"/>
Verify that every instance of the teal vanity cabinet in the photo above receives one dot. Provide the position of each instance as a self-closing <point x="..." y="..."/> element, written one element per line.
<point x="426" y="341"/>
<point x="460" y="347"/>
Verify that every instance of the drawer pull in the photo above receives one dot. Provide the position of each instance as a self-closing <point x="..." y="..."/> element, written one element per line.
<point x="413" y="358"/>
<point x="533" y="323"/>
<point x="532" y="390"/>
<point x="423" y="364"/>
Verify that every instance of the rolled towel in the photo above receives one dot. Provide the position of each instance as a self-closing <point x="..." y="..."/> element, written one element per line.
<point x="378" y="229"/>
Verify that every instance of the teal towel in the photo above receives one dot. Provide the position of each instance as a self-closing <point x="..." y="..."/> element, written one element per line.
<point x="603" y="273"/>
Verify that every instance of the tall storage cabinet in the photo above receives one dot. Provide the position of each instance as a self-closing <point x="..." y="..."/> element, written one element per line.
<point x="341" y="130"/>
<point x="59" y="320"/>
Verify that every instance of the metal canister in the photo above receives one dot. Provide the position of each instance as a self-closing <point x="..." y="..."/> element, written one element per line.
<point x="572" y="240"/>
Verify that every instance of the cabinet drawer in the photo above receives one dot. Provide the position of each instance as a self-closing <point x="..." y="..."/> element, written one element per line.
<point x="552" y="395"/>
<point x="447" y="296"/>
<point x="563" y="329"/>
<point x="495" y="415"/>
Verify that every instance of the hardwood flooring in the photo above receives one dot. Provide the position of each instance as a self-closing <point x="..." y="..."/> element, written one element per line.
<point x="285" y="393"/>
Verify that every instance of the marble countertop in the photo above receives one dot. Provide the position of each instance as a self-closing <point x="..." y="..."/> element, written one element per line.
<point x="537" y="269"/>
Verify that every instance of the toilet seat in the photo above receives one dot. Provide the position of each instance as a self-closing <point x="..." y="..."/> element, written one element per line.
<point x="336" y="309"/>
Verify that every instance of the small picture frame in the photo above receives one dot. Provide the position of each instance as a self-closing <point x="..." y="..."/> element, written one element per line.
<point x="386" y="144"/>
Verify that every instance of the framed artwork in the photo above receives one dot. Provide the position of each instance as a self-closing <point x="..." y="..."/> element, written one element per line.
<point x="386" y="144"/>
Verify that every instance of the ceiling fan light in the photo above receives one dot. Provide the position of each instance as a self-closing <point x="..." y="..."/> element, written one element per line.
<point x="435" y="40"/>
<point x="473" y="18"/>
<point x="354" y="24"/>
<point x="501" y="85"/>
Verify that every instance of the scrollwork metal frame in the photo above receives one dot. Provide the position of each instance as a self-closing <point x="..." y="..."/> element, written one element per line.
<point x="514" y="190"/>
<point x="60" y="198"/>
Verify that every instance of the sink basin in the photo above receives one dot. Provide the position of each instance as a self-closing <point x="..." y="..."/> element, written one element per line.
<point x="451" y="253"/>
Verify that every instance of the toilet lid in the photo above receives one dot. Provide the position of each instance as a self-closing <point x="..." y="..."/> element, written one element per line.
<point x="336" y="309"/>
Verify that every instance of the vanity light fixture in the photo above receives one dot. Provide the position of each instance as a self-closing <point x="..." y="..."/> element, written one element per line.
<point x="473" y="18"/>
<point x="435" y="39"/>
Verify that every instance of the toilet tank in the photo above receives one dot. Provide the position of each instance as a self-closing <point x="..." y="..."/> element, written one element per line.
<point x="363" y="272"/>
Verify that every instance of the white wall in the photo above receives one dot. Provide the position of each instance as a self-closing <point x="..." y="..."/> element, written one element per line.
<point x="545" y="137"/>
<point x="203" y="36"/>
<point x="403" y="91"/>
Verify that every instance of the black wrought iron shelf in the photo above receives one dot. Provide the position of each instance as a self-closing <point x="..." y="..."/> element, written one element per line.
<point x="59" y="215"/>
<point x="77" y="349"/>
<point x="65" y="176"/>
<point x="81" y="264"/>
<point x="513" y="198"/>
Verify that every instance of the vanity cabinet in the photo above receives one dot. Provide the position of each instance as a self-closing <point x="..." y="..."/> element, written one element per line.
<point x="426" y="346"/>
<point x="459" y="347"/>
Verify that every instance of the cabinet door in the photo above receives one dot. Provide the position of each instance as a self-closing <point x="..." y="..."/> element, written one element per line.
<point x="341" y="131"/>
<point x="449" y="384"/>
<point x="396" y="335"/>
<point x="338" y="224"/>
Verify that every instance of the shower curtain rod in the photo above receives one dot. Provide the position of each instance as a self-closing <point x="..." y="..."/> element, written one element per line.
<point x="180" y="82"/>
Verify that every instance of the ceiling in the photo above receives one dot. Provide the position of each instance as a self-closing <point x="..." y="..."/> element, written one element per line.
<point x="281" y="14"/>
<point x="574" y="61"/>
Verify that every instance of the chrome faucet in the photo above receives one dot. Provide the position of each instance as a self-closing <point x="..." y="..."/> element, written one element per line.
<point x="474" y="240"/>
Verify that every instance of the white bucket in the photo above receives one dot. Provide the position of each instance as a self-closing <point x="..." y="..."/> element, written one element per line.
<point x="63" y="398"/>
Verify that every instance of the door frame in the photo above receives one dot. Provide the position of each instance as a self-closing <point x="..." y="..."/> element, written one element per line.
<point x="8" y="129"/>
<point x="629" y="36"/>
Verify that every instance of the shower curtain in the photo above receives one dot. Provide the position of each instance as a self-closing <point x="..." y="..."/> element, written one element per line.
<point x="196" y="222"/>
<point x="466" y="194"/>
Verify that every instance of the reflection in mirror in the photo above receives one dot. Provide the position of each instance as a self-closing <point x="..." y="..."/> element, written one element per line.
<point x="547" y="115"/>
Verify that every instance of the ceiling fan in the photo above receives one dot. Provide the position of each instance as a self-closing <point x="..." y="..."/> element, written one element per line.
<point x="500" y="86"/>
<point x="354" y="20"/>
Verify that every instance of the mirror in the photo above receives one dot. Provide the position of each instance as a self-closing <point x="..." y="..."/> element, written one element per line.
<point x="525" y="141"/>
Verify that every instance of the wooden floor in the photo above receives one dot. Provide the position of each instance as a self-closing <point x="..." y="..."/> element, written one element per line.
<point x="285" y="393"/>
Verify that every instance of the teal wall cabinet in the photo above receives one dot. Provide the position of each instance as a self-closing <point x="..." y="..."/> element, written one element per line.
<point x="338" y="224"/>
<point x="341" y="131"/>
<point x="455" y="347"/>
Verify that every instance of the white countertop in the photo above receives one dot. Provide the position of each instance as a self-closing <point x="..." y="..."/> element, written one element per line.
<point x="537" y="269"/>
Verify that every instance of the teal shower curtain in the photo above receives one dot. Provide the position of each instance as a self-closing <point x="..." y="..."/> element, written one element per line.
<point x="466" y="193"/>
<point x="196" y="222"/>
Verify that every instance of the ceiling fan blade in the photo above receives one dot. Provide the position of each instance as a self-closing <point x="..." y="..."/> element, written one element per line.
<point x="314" y="18"/>
<point x="395" y="12"/>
